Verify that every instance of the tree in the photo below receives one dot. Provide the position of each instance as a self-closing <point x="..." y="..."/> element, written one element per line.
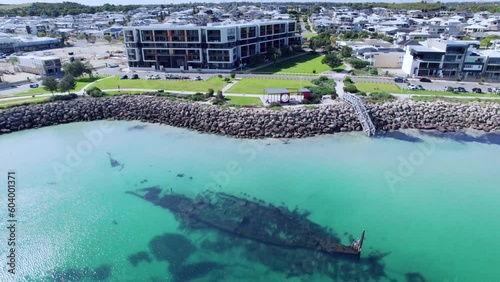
<point x="50" y="84"/>
<point x="275" y="55"/>
<point x="220" y="95"/>
<point x="67" y="83"/>
<point x="346" y="51"/>
<point x="80" y="36"/>
<point x="75" y="68"/>
<point x="88" y="68"/>
<point x="108" y="38"/>
<point x="486" y="42"/>
<point x="357" y="63"/>
<point x="332" y="60"/>
<point x="256" y="59"/>
<point x="313" y="44"/>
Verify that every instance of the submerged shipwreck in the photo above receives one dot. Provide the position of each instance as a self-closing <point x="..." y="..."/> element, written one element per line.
<point x="254" y="220"/>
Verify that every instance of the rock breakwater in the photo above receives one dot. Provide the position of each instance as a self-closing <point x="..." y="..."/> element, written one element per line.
<point x="254" y="123"/>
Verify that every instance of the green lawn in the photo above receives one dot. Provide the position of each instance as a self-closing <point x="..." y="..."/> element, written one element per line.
<point x="244" y="101"/>
<point x="174" y="85"/>
<point x="377" y="87"/>
<point x="80" y="83"/>
<point x="309" y="35"/>
<point x="257" y="85"/>
<point x="340" y="68"/>
<point x="304" y="64"/>
<point x="9" y="103"/>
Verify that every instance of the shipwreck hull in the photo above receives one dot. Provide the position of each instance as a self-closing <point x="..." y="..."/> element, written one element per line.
<point x="251" y="219"/>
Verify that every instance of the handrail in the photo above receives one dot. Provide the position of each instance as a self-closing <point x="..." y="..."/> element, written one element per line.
<point x="364" y="117"/>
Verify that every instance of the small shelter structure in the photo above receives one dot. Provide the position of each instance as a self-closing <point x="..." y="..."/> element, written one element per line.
<point x="279" y="95"/>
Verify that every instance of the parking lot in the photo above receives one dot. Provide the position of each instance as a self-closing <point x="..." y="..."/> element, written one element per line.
<point x="434" y="85"/>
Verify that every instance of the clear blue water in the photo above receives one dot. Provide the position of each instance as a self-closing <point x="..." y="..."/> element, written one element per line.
<point x="428" y="204"/>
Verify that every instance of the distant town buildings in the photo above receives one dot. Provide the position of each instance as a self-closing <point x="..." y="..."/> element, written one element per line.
<point x="225" y="36"/>
<point x="40" y="65"/>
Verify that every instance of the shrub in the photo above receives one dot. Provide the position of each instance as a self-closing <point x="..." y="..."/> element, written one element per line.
<point x="306" y="102"/>
<point x="227" y="79"/>
<point x="95" y="91"/>
<point x="198" y="97"/>
<point x="323" y="78"/>
<point x="220" y="75"/>
<point x="351" y="88"/>
<point x="348" y="79"/>
<point x="274" y="104"/>
<point x="314" y="71"/>
<point x="357" y="63"/>
<point x="218" y="101"/>
<point x="334" y="96"/>
<point x="63" y="97"/>
<point x="233" y="75"/>
<point x="380" y="97"/>
<point x="374" y="71"/>
<point x="210" y="92"/>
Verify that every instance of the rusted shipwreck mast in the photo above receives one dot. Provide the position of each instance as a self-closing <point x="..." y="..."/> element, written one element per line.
<point x="253" y="220"/>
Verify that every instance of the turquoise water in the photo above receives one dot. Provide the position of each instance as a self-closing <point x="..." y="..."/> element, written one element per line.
<point x="430" y="207"/>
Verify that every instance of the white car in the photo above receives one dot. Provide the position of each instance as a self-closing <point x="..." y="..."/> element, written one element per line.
<point x="153" y="77"/>
<point x="412" y="87"/>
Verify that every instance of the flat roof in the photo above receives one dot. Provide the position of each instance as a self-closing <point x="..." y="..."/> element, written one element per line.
<point x="422" y="48"/>
<point x="276" y="90"/>
<point x="44" y="58"/>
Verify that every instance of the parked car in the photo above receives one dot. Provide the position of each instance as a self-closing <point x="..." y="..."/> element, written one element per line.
<point x="124" y="76"/>
<point x="135" y="76"/>
<point x="171" y="76"/>
<point x="71" y="53"/>
<point x="152" y="76"/>
<point x="477" y="90"/>
<point x="425" y="79"/>
<point x="34" y="85"/>
<point x="412" y="87"/>
<point x="400" y="80"/>
<point x="460" y="89"/>
<point x="420" y="87"/>
<point x="449" y="88"/>
<point x="112" y="65"/>
<point x="197" y="78"/>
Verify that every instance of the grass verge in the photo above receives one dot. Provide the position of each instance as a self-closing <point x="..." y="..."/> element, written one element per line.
<point x="215" y="83"/>
<point x="304" y="64"/>
<point x="244" y="101"/>
<point x="257" y="85"/>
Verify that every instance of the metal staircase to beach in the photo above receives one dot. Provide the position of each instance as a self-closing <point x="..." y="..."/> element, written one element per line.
<point x="359" y="107"/>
